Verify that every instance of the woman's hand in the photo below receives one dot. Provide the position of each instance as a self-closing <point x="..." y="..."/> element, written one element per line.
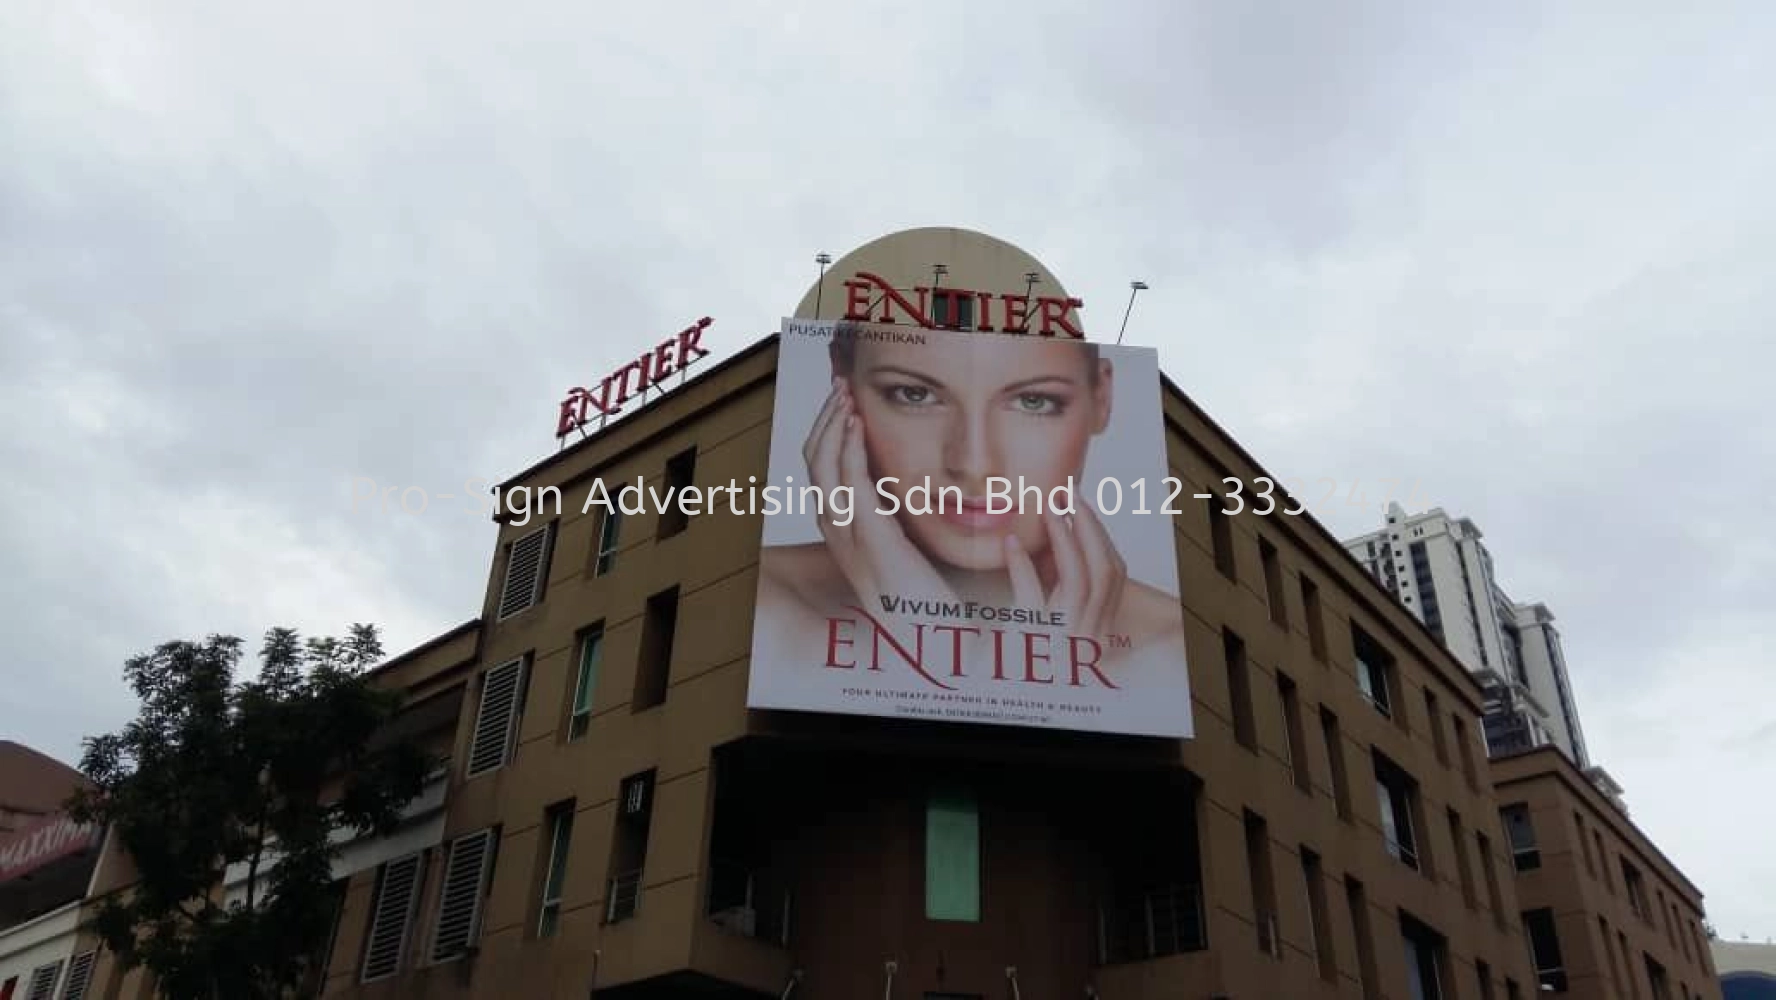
<point x="872" y="551"/>
<point x="1089" y="573"/>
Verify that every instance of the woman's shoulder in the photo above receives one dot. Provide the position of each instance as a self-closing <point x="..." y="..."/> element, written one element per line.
<point x="1151" y="613"/>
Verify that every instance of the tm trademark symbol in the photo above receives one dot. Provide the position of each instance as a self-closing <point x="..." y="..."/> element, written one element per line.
<point x="1119" y="642"/>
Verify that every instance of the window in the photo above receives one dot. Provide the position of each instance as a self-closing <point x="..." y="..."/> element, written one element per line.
<point x="1464" y="746"/>
<point x="1313" y="878"/>
<point x="1665" y="912"/>
<point x="1356" y="901"/>
<point x="391" y="914"/>
<point x="1239" y="689"/>
<point x="1656" y="978"/>
<point x="1426" y="959"/>
<point x="1511" y="991"/>
<point x="653" y="674"/>
<point x="1397" y="792"/>
<point x="43" y="981"/>
<point x="1273" y="582"/>
<point x="1221" y="537"/>
<point x="527" y="569"/>
<point x="1294" y="733"/>
<point x="1373" y="671"/>
<point x="496" y="719"/>
<point x="1614" y="958"/>
<point x="1463" y="868"/>
<point x="80" y="972"/>
<point x="559" y="821"/>
<point x="1263" y="883"/>
<point x="1334" y="740"/>
<point x="1544" y="948"/>
<point x="952" y="856"/>
<point x="1494" y="895"/>
<point x="1483" y="976"/>
<point x="1636" y="892"/>
<point x="1316" y="622"/>
<point x="1520" y="833"/>
<point x="1434" y="719"/>
<point x="579" y="715"/>
<point x="1603" y="862"/>
<point x="635" y="809"/>
<point x="610" y="531"/>
<point x="1628" y="964"/>
<point x="1585" y="844"/>
<point x="681" y="471"/>
<point x="468" y="870"/>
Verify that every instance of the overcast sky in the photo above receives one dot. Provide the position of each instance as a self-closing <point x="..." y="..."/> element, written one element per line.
<point x="1519" y="253"/>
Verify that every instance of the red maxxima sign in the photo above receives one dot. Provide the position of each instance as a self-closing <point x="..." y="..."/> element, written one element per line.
<point x="49" y="839"/>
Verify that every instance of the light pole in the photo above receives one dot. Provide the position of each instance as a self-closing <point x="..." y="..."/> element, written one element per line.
<point x="1135" y="288"/>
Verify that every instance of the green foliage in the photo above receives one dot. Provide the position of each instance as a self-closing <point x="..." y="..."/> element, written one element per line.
<point x="217" y="772"/>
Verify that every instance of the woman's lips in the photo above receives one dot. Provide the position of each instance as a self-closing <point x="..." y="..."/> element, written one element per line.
<point x="973" y="515"/>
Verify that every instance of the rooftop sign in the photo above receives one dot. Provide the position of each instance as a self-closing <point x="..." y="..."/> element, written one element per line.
<point x="938" y="308"/>
<point x="633" y="380"/>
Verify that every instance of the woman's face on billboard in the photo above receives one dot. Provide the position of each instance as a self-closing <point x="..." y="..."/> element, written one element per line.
<point x="959" y="410"/>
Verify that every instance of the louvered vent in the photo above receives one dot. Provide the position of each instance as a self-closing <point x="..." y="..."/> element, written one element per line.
<point x="80" y="973"/>
<point x="459" y="903"/>
<point x="525" y="571"/>
<point x="390" y="918"/>
<point x="43" y="981"/>
<point x="501" y="691"/>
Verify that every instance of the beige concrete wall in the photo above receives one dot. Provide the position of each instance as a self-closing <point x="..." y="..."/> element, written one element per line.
<point x="1582" y="841"/>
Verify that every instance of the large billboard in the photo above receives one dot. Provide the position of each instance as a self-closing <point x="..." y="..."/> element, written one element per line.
<point x="969" y="527"/>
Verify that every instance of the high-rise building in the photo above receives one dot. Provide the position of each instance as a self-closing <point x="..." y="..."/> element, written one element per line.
<point x="1440" y="569"/>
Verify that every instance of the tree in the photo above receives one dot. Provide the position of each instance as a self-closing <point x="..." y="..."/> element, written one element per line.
<point x="215" y="773"/>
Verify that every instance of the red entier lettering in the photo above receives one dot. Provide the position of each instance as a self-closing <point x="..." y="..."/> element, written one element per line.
<point x="1090" y="645"/>
<point x="892" y="297"/>
<point x="957" y="632"/>
<point x="1054" y="313"/>
<point x="1017" y="313"/>
<point x="667" y="357"/>
<point x="690" y="346"/>
<point x="857" y="300"/>
<point x="1031" y="656"/>
<point x="833" y="642"/>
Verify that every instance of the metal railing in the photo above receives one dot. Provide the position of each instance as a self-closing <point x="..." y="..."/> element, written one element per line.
<point x="748" y="902"/>
<point x="1164" y="920"/>
<point x="623" y="896"/>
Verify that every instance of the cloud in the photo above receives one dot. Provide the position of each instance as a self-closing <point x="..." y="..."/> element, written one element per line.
<point x="1516" y="259"/>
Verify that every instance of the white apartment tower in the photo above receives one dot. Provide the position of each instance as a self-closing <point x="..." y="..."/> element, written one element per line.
<point x="1441" y="571"/>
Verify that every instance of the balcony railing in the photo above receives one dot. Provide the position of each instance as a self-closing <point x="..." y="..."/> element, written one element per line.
<point x="748" y="902"/>
<point x="623" y="896"/>
<point x="1165" y="920"/>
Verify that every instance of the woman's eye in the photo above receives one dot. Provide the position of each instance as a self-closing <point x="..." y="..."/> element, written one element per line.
<point x="910" y="394"/>
<point x="1037" y="403"/>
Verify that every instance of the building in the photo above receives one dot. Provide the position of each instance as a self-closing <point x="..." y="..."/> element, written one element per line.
<point x="637" y="805"/>
<point x="1438" y="566"/>
<point x="46" y="867"/>
<point x="1607" y="915"/>
<point x="33" y="786"/>
<point x="1747" y="969"/>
